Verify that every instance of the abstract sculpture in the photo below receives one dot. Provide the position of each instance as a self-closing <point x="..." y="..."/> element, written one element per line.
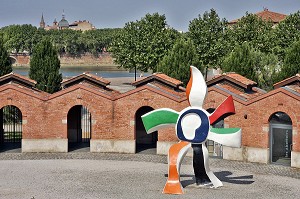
<point x="193" y="128"/>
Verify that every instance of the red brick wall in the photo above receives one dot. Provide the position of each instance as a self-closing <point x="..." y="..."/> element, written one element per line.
<point x="126" y="107"/>
<point x="255" y="128"/>
<point x="113" y="117"/>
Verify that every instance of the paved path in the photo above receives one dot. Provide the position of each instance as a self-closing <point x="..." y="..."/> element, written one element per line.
<point x="100" y="175"/>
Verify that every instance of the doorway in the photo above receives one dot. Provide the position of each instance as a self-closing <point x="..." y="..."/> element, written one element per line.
<point x="145" y="143"/>
<point x="79" y="128"/>
<point x="11" y="129"/>
<point x="280" y="138"/>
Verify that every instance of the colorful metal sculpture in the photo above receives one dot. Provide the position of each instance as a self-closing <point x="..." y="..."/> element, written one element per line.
<point x="193" y="128"/>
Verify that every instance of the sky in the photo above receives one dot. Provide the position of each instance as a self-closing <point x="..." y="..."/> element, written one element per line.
<point x="115" y="13"/>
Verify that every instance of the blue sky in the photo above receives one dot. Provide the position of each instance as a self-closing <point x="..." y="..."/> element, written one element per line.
<point x="115" y="13"/>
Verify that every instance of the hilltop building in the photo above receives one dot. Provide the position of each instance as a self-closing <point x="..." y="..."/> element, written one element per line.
<point x="64" y="24"/>
<point x="266" y="15"/>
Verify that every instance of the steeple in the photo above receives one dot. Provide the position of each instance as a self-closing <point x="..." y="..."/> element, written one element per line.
<point x="63" y="14"/>
<point x="42" y="23"/>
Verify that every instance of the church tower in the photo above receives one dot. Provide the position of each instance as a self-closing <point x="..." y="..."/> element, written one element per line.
<point x="42" y="23"/>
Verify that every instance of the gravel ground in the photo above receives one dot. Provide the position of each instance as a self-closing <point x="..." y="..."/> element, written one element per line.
<point x="104" y="175"/>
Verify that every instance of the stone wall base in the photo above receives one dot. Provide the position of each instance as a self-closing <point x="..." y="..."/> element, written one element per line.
<point x="230" y="153"/>
<point x="117" y="146"/>
<point x="248" y="154"/>
<point x="295" y="159"/>
<point x="45" y="145"/>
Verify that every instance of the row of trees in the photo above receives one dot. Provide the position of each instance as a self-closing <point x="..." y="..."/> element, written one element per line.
<point x="251" y="47"/>
<point x="20" y="38"/>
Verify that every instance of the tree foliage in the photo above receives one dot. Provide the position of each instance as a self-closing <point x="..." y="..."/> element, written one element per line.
<point x="176" y="63"/>
<point x="255" y="31"/>
<point x="286" y="33"/>
<point x="291" y="65"/>
<point x="143" y="43"/>
<point x="242" y="60"/>
<point x="5" y="63"/>
<point x="20" y="38"/>
<point x="44" y="67"/>
<point x="268" y="70"/>
<point x="209" y="36"/>
<point x="253" y="64"/>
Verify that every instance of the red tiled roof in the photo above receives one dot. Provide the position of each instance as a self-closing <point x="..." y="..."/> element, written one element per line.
<point x="233" y="77"/>
<point x="267" y="15"/>
<point x="98" y="80"/>
<point x="159" y="76"/>
<point x="180" y="92"/>
<point x="246" y="96"/>
<point x="18" y="78"/>
<point x="287" y="81"/>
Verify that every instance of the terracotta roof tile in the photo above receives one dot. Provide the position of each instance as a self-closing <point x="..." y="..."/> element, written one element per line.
<point x="158" y="76"/>
<point x="241" y="78"/>
<point x="169" y="79"/>
<point x="233" y="77"/>
<point x="98" y="80"/>
<point x="177" y="93"/>
<point x="287" y="81"/>
<point x="247" y="96"/>
<point x="267" y="15"/>
<point x="18" y="78"/>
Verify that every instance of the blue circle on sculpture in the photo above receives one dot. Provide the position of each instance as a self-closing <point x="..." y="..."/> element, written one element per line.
<point x="200" y="133"/>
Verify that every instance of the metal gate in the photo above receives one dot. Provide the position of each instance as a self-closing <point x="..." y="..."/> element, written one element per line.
<point x="79" y="125"/>
<point x="86" y="121"/>
<point x="11" y="131"/>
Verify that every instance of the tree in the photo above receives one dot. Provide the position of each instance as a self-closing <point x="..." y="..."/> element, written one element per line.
<point x="268" y="70"/>
<point x="291" y="64"/>
<point x="177" y="62"/>
<point x="209" y="36"/>
<point x="44" y="67"/>
<point x="19" y="38"/>
<point x="286" y="33"/>
<point x="253" y="64"/>
<point x="254" y="30"/>
<point x="5" y="63"/>
<point x="143" y="43"/>
<point x="241" y="60"/>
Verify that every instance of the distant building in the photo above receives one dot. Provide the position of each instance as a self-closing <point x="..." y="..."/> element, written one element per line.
<point x="42" y="23"/>
<point x="64" y="24"/>
<point x="266" y="15"/>
<point x="81" y="25"/>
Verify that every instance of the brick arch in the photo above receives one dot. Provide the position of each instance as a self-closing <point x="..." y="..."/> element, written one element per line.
<point x="19" y="106"/>
<point x="287" y="110"/>
<point x="143" y="140"/>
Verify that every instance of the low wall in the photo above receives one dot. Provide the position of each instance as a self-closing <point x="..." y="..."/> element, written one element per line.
<point x="104" y="59"/>
<point x="44" y="145"/>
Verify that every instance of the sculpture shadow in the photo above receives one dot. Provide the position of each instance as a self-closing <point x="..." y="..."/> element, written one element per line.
<point x="224" y="176"/>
